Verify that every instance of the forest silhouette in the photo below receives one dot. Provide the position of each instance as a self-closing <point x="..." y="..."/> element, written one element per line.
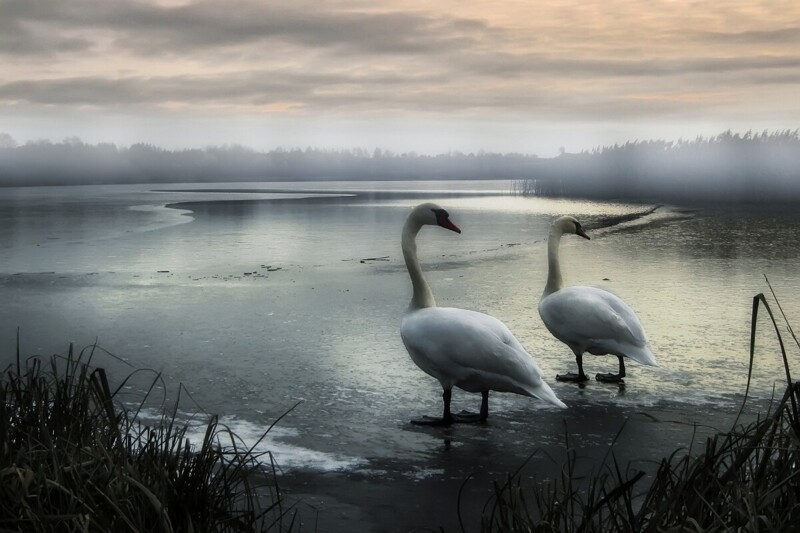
<point x="729" y="167"/>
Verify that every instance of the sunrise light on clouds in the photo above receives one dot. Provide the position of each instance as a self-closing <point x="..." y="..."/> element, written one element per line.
<point x="421" y="76"/>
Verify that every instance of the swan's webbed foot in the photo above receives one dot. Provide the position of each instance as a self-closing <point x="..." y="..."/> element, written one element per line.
<point x="468" y="417"/>
<point x="610" y="378"/>
<point x="572" y="377"/>
<point x="433" y="421"/>
<point x="464" y="417"/>
<point x="614" y="378"/>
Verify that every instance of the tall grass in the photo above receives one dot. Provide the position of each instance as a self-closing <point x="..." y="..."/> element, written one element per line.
<point x="72" y="458"/>
<point x="746" y="479"/>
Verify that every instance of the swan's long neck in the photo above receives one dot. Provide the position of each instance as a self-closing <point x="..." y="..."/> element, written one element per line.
<point x="554" y="281"/>
<point x="423" y="297"/>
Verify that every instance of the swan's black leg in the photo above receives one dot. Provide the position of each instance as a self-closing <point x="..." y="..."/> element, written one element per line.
<point x="613" y="378"/>
<point x="464" y="417"/>
<point x="580" y="377"/>
<point x="467" y="417"/>
<point x="447" y="417"/>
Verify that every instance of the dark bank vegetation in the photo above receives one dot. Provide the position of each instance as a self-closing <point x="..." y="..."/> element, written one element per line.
<point x="746" y="479"/>
<point x="72" y="458"/>
<point x="75" y="162"/>
<point x="730" y="167"/>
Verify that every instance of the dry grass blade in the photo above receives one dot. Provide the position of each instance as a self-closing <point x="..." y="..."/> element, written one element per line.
<point x="780" y="308"/>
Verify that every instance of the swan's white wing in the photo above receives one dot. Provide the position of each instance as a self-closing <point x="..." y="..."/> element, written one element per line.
<point x="592" y="319"/>
<point x="473" y="351"/>
<point x="457" y="341"/>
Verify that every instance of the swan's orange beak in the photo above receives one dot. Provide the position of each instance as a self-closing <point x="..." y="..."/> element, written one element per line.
<point x="582" y="234"/>
<point x="445" y="223"/>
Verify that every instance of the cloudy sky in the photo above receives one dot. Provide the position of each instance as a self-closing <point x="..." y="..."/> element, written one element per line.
<point x="529" y="76"/>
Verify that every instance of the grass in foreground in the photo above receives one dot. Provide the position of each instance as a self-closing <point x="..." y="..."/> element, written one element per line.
<point x="73" y="459"/>
<point x="747" y="479"/>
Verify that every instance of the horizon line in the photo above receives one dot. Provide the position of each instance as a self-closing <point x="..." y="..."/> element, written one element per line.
<point x="7" y="141"/>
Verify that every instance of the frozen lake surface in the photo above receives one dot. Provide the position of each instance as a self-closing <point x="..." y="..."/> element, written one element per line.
<point x="260" y="296"/>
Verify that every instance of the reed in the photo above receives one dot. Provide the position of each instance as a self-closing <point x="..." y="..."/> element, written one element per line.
<point x="73" y="458"/>
<point x="745" y="479"/>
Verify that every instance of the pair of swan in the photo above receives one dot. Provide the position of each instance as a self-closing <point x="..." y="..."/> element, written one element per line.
<point x="478" y="353"/>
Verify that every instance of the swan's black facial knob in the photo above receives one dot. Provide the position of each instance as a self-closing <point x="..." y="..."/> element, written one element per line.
<point x="443" y="219"/>
<point x="579" y="231"/>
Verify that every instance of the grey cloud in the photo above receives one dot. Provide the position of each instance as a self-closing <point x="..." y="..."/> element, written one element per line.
<point x="329" y="91"/>
<point x="20" y="39"/>
<point x="260" y="87"/>
<point x="447" y="64"/>
<point x="209" y="25"/>
<point x="149" y="91"/>
<point x="80" y="91"/>
<point x="779" y="78"/>
<point x="193" y="28"/>
<point x="426" y="91"/>
<point x="788" y="36"/>
<point x="500" y="64"/>
<point x="207" y="30"/>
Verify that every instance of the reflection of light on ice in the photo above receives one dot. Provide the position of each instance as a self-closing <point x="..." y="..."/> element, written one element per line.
<point x="245" y="434"/>
<point x="163" y="217"/>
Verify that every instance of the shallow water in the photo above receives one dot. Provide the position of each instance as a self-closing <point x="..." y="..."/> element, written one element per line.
<point x="258" y="300"/>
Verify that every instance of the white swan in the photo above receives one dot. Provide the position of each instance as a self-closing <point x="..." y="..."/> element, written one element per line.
<point x="588" y="319"/>
<point x="466" y="349"/>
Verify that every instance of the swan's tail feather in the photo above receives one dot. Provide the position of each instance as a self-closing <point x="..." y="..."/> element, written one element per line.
<point x="544" y="392"/>
<point x="642" y="355"/>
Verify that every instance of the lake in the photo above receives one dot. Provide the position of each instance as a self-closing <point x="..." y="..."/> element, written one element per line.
<point x="261" y="296"/>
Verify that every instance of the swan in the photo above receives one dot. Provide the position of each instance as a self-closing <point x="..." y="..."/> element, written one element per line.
<point x="466" y="349"/>
<point x="588" y="319"/>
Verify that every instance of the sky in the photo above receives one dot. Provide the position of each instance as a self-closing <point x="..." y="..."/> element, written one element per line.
<point x="409" y="76"/>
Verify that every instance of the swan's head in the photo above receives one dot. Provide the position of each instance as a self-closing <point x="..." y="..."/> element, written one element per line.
<point x="570" y="225"/>
<point x="433" y="215"/>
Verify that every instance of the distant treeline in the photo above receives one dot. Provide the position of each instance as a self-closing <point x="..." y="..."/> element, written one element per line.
<point x="727" y="167"/>
<point x="74" y="162"/>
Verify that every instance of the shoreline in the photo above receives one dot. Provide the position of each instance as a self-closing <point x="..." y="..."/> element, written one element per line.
<point x="462" y="476"/>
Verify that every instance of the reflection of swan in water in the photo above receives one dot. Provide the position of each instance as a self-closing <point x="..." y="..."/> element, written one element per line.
<point x="588" y="319"/>
<point x="466" y="349"/>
